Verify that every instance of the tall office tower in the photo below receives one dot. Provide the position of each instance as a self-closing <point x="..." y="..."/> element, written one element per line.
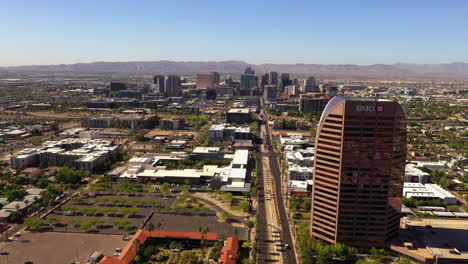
<point x="248" y="79"/>
<point x="358" y="172"/>
<point x="158" y="84"/>
<point x="265" y="79"/>
<point x="207" y="80"/>
<point x="172" y="85"/>
<point x="310" y="85"/>
<point x="285" y="81"/>
<point x="215" y="78"/>
<point x="274" y="78"/>
<point x="269" y="93"/>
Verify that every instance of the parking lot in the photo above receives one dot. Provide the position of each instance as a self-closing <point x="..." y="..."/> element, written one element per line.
<point x="52" y="247"/>
<point x="112" y="214"/>
<point x="107" y="214"/>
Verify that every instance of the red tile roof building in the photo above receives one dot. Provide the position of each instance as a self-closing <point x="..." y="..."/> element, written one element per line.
<point x="230" y="251"/>
<point x="129" y="252"/>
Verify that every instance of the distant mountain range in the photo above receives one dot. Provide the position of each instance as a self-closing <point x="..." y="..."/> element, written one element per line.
<point x="458" y="70"/>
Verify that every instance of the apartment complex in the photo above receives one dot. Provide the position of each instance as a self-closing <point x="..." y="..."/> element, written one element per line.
<point x="358" y="171"/>
<point x="84" y="154"/>
<point x="106" y="121"/>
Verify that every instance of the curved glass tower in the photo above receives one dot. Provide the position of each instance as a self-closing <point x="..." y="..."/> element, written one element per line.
<point x="359" y="168"/>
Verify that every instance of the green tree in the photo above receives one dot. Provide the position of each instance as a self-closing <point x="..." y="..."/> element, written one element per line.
<point x="33" y="223"/>
<point x="215" y="252"/>
<point x="15" y="217"/>
<point x="306" y="205"/>
<point x="150" y="227"/>
<point x="225" y="216"/>
<point x="378" y="254"/>
<point x="15" y="194"/>
<point x="52" y="219"/>
<point x="85" y="226"/>
<point x="244" y="206"/>
<point x="43" y="183"/>
<point x="190" y="257"/>
<point x="70" y="175"/>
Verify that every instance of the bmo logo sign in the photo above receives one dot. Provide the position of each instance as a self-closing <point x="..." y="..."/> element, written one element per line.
<point x="370" y="108"/>
<point x="365" y="108"/>
<point x="379" y="108"/>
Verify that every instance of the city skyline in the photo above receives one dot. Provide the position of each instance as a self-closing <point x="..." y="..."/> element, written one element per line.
<point x="52" y="32"/>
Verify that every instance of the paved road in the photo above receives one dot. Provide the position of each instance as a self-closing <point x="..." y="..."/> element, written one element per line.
<point x="286" y="237"/>
<point x="288" y="255"/>
<point x="265" y="250"/>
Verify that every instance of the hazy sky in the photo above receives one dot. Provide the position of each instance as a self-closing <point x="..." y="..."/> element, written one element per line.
<point x="329" y="32"/>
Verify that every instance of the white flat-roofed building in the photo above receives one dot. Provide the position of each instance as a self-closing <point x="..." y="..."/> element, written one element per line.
<point x="81" y="153"/>
<point x="293" y="139"/>
<point x="413" y="174"/>
<point x="297" y="172"/>
<point x="176" y="144"/>
<point x="221" y="131"/>
<point x="297" y="157"/>
<point x="216" y="131"/>
<point x="433" y="165"/>
<point x="193" y="175"/>
<point x="298" y="187"/>
<point x="200" y="153"/>
<point x="140" y="160"/>
<point x="428" y="191"/>
<point x="232" y="177"/>
<point x="241" y="158"/>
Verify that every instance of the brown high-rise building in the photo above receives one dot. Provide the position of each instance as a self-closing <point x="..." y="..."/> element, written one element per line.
<point x="265" y="79"/>
<point x="207" y="80"/>
<point x="358" y="171"/>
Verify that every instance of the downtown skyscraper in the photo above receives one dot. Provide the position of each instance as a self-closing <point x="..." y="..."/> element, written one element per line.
<point x="358" y="172"/>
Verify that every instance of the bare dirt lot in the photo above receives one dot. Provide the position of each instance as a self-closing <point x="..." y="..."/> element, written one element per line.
<point x="57" y="248"/>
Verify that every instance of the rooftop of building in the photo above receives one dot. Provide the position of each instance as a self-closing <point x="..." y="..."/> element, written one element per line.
<point x="230" y="251"/>
<point x="206" y="150"/>
<point x="239" y="110"/>
<point x="427" y="239"/>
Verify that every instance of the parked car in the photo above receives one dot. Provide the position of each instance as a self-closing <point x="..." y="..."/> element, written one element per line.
<point x="69" y="213"/>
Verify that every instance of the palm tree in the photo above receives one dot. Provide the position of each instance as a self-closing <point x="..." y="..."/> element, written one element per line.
<point x="150" y="227"/>
<point x="136" y="242"/>
<point x="203" y="230"/>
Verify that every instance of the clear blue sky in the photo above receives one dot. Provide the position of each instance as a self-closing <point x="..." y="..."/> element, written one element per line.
<point x="328" y="32"/>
